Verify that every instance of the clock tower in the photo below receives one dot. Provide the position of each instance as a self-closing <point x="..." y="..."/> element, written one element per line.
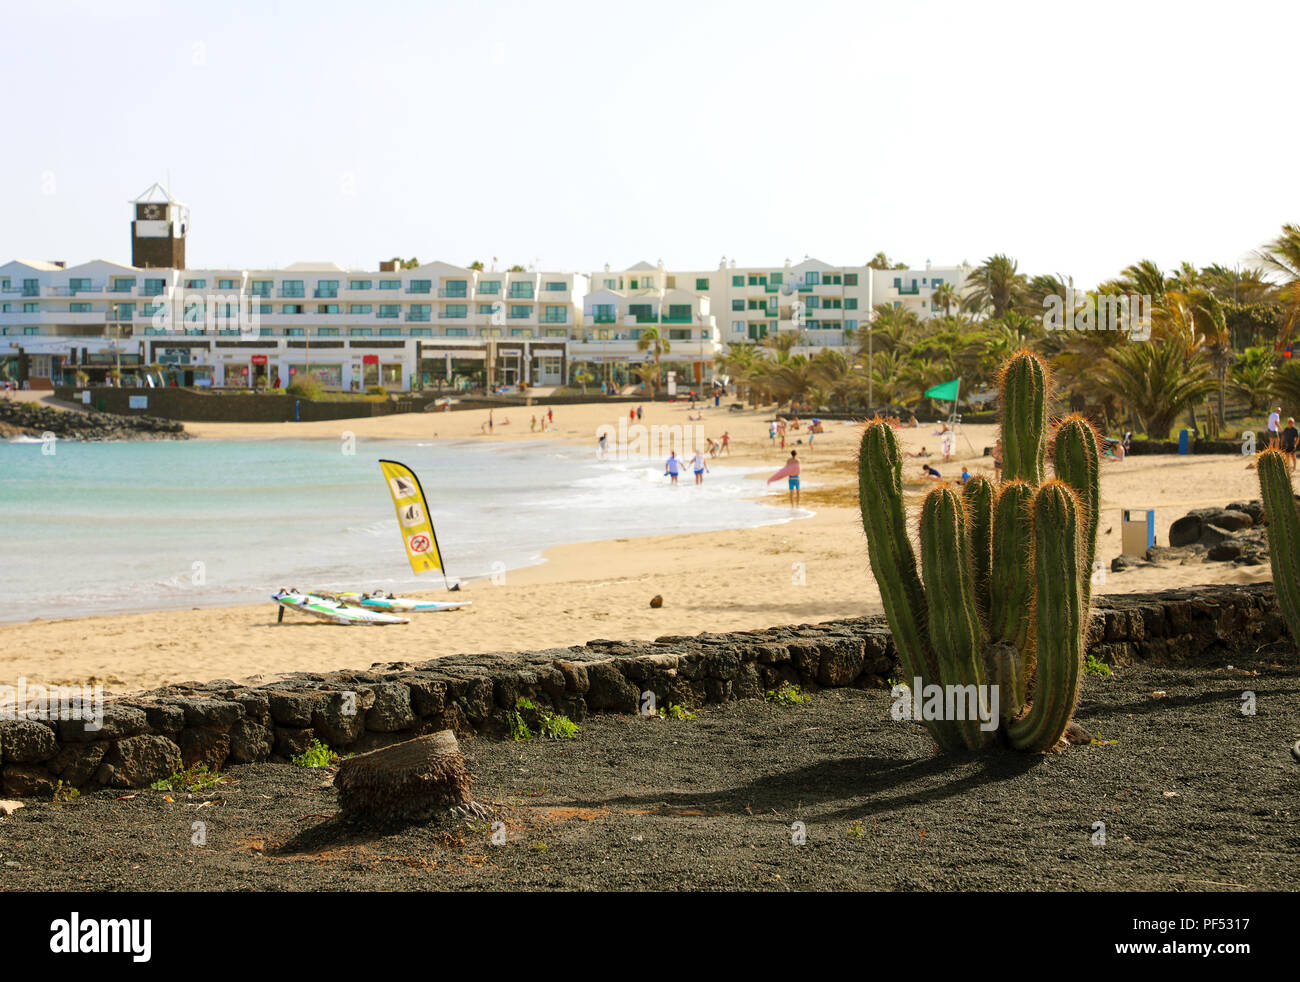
<point x="158" y="228"/>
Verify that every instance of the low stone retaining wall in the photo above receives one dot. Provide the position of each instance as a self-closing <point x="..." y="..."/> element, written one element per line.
<point x="219" y="723"/>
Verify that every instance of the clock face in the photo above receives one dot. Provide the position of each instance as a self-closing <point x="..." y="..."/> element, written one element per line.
<point x="153" y="211"/>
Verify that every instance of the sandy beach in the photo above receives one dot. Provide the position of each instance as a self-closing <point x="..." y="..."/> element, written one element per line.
<point x="806" y="570"/>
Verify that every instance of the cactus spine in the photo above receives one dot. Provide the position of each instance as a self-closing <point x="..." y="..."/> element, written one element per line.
<point x="1002" y="598"/>
<point x="1283" y="536"/>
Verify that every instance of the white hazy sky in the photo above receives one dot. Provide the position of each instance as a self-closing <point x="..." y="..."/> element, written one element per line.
<point x="1077" y="138"/>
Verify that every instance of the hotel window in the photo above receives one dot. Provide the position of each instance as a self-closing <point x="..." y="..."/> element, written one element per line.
<point x="225" y="284"/>
<point x="263" y="308"/>
<point x="421" y="332"/>
<point x="360" y="308"/>
<point x="834" y="279"/>
<point x="521" y="290"/>
<point x="194" y="312"/>
<point x="520" y="310"/>
<point x="738" y="327"/>
<point x="456" y="311"/>
<point x="487" y="308"/>
<point x="327" y="308"/>
<point x="553" y="333"/>
<point x="850" y="325"/>
<point x="491" y="286"/>
<point x="850" y="279"/>
<point x="390" y="284"/>
<point x="679" y="312"/>
<point x="738" y="280"/>
<point x="850" y="303"/>
<point x="32" y="287"/>
<point x="643" y="312"/>
<point x="420" y="286"/>
<point x="29" y="331"/>
<point x="291" y="308"/>
<point x="681" y="335"/>
<point x="6" y="308"/>
<point x="774" y="279"/>
<point x="420" y="312"/>
<point x="456" y="288"/>
<point x="390" y="332"/>
<point x="814" y="302"/>
<point x="360" y="332"/>
<point x="556" y="315"/>
<point x="327" y="332"/>
<point x="812" y="278"/>
<point x="738" y="304"/>
<point x="78" y="308"/>
<point x="359" y="284"/>
<point x="457" y="332"/>
<point x="31" y="308"/>
<point x="610" y="284"/>
<point x="389" y="310"/>
<point x="258" y="288"/>
<point x="490" y="332"/>
<point x="556" y="286"/>
<point x="604" y="313"/>
<point x="520" y="332"/>
<point x="936" y="282"/>
<point x="122" y="285"/>
<point x="74" y="285"/>
<point x="295" y="332"/>
<point x="292" y="288"/>
<point x="327" y="288"/>
<point x="634" y="283"/>
<point x="702" y="283"/>
<point x="757" y="279"/>
<point x="898" y="282"/>
<point x="196" y="284"/>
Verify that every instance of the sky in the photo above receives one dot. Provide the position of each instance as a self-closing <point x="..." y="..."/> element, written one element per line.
<point x="1076" y="138"/>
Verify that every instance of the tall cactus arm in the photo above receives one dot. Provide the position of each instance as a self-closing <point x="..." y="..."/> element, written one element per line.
<point x="1076" y="457"/>
<point x="1283" y="536"/>
<point x="1013" y="567"/>
<point x="956" y="635"/>
<point x="1060" y="612"/>
<point x="1024" y="418"/>
<point x="979" y="494"/>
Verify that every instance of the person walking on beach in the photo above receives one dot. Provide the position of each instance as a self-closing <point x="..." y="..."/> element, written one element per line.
<point x="791" y="473"/>
<point x="1274" y="425"/>
<point x="726" y="443"/>
<point x="673" y="466"/>
<point x="638" y="414"/>
<point x="699" y="467"/>
<point x="550" y="417"/>
<point x="532" y="426"/>
<point x="1290" y="440"/>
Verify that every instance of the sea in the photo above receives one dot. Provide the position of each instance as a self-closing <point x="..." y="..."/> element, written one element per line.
<point x="98" y="528"/>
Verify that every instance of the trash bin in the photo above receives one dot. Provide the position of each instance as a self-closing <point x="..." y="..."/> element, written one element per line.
<point x="1184" y="441"/>
<point x="1138" y="530"/>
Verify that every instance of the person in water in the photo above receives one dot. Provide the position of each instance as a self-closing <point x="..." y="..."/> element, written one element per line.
<point x="699" y="467"/>
<point x="673" y="466"/>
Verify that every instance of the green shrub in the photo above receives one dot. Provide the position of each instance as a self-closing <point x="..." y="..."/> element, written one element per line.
<point x="557" y="727"/>
<point x="317" y="755"/>
<point x="1094" y="667"/>
<point x="189" y="779"/>
<point x="674" y="711"/>
<point x="517" y="727"/>
<point x="787" y="695"/>
<point x="305" y="387"/>
<point x="376" y="390"/>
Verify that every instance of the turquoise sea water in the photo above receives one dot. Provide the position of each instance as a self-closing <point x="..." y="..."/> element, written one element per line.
<point x="111" y="527"/>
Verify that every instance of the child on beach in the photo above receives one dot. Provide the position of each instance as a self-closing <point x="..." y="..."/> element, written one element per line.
<point x="1290" y="441"/>
<point x="726" y="443"/>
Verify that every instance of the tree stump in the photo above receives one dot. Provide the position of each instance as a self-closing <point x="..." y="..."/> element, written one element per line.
<point x="416" y="779"/>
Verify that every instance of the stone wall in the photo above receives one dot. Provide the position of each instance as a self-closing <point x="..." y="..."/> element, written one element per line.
<point x="219" y="723"/>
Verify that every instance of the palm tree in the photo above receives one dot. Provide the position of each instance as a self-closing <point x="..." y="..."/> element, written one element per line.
<point x="476" y="265"/>
<point x="945" y="295"/>
<point x="891" y="327"/>
<point x="1286" y="387"/>
<point x="996" y="284"/>
<point x="1144" y="278"/>
<point x="1282" y="257"/>
<point x="1155" y="381"/>
<point x="1194" y="320"/>
<point x="781" y="343"/>
<point x="651" y="340"/>
<point x="1252" y="377"/>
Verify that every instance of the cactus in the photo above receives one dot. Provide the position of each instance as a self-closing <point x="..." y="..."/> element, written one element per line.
<point x="1283" y="536"/>
<point x="1003" y="592"/>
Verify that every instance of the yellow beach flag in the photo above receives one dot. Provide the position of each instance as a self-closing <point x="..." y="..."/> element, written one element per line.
<point x="413" y="519"/>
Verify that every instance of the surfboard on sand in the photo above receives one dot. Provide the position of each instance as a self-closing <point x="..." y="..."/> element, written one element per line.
<point x="331" y="610"/>
<point x="386" y="601"/>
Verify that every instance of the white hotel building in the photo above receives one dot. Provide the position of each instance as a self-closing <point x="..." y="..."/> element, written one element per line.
<point x="412" y="328"/>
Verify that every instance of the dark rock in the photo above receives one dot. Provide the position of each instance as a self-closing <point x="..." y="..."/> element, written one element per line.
<point x="27" y="781"/>
<point x="1225" y="551"/>
<point x="841" y="662"/>
<point x="165" y="717"/>
<point x="204" y="746"/>
<point x="392" y="710"/>
<point x="1232" y="520"/>
<point x="26" y="741"/>
<point x="76" y="764"/>
<point x="610" y="690"/>
<point x="215" y="713"/>
<point x="118" y="723"/>
<point x="656" y="601"/>
<point x="291" y="742"/>
<point x="139" y="761"/>
<point x="1185" y="531"/>
<point x="428" y="696"/>
<point x="250" y="742"/>
<point x="292" y="708"/>
<point x="340" y="717"/>
<point x="256" y="705"/>
<point x="1126" y="561"/>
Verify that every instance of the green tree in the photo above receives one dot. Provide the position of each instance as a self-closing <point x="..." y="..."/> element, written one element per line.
<point x="1252" y="376"/>
<point x="996" y="286"/>
<point x="1282" y="258"/>
<point x="658" y="345"/>
<point x="1155" y="381"/>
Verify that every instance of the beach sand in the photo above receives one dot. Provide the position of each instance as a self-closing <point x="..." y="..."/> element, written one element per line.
<point x="808" y="570"/>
